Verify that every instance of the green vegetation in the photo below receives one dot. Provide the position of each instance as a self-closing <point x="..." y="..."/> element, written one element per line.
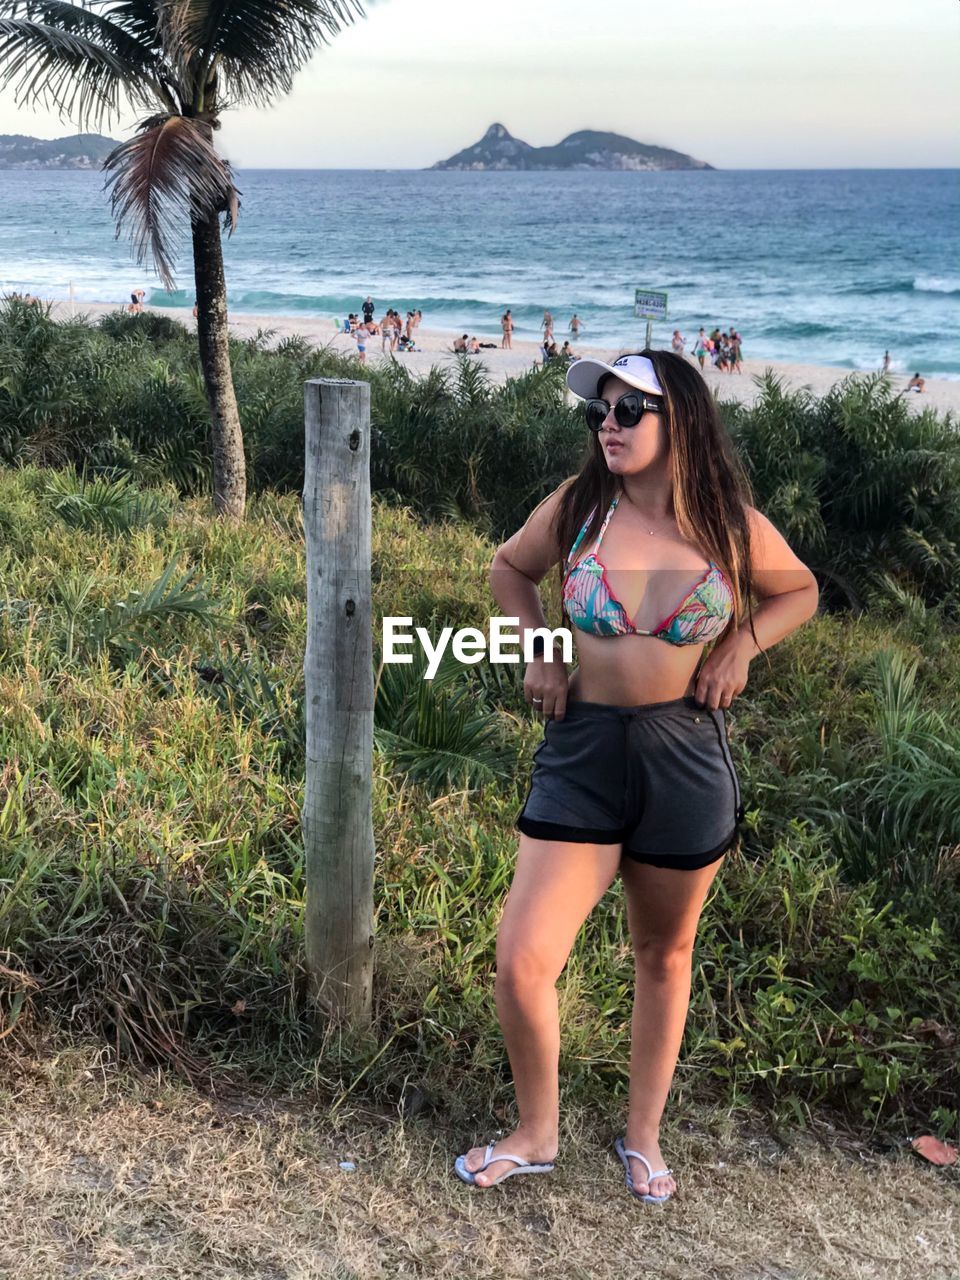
<point x="179" y="67"/>
<point x="152" y="749"/>
<point x="866" y="492"/>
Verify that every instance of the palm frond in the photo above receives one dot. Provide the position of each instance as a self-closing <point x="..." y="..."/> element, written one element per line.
<point x="114" y="505"/>
<point x="436" y="731"/>
<point x="80" y="63"/>
<point x="126" y="621"/>
<point x="170" y="170"/>
<point x="254" y="46"/>
<point x="140" y="19"/>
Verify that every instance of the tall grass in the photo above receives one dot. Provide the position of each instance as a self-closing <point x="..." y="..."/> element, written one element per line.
<point x="151" y="864"/>
<point x="866" y="491"/>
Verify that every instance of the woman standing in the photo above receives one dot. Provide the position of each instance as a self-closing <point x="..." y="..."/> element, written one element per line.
<point x="736" y="350"/>
<point x="361" y="334"/>
<point x="700" y="346"/>
<point x="506" y="324"/>
<point x="634" y="774"/>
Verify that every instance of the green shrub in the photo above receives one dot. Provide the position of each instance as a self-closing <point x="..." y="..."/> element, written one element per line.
<point x="113" y="505"/>
<point x="151" y="861"/>
<point x="866" y="491"/>
<point x="145" y="326"/>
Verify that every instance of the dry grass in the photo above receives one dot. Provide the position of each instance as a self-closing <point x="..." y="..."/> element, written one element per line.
<point x="104" y="1176"/>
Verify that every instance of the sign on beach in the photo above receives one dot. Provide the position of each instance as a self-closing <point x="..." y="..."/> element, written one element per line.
<point x="649" y="304"/>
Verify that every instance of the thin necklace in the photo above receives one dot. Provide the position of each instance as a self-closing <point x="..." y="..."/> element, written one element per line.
<point x="652" y="532"/>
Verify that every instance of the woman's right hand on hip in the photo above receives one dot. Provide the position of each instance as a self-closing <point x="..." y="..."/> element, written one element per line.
<point x="545" y="687"/>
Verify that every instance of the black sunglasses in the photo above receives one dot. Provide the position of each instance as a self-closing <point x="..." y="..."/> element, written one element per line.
<point x="627" y="411"/>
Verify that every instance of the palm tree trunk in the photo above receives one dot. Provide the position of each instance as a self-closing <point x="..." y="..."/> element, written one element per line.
<point x="229" y="466"/>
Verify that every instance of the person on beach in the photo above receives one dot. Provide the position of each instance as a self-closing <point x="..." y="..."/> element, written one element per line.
<point x="634" y="774"/>
<point x="735" y="354"/>
<point x="916" y="383"/>
<point x="460" y="345"/>
<point x="700" y="346"/>
<point x="567" y="352"/>
<point x="386" y="331"/>
<point x="474" y="346"/>
<point x="136" y="301"/>
<point x="506" y="324"/>
<point x="886" y="362"/>
<point x="678" y="343"/>
<point x="367" y="308"/>
<point x="361" y="334"/>
<point x="576" y="324"/>
<point x="546" y="324"/>
<point x="723" y="359"/>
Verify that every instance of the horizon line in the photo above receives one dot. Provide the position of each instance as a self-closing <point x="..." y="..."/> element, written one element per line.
<point x="378" y="168"/>
<point x="434" y="168"/>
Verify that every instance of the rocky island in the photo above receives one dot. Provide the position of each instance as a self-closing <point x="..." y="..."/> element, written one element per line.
<point x="81" y="151"/>
<point x="587" y="149"/>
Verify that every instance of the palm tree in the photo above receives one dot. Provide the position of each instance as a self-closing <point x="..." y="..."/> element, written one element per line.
<point x="183" y="61"/>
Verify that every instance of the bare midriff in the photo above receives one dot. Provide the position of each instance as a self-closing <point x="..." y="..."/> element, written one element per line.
<point x="629" y="671"/>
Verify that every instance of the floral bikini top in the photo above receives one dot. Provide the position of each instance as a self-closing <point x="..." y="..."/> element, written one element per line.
<point x="592" y="607"/>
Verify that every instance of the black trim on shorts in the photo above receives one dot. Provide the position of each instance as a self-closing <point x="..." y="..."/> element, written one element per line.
<point x="587" y="835"/>
<point x="684" y="861"/>
<point x="570" y="835"/>
<point x="724" y="750"/>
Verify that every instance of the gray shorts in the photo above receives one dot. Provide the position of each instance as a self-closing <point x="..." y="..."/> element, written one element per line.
<point x="659" y="778"/>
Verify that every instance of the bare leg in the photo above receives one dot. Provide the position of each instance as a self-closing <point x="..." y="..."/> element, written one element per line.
<point x="663" y="908"/>
<point x="555" y="887"/>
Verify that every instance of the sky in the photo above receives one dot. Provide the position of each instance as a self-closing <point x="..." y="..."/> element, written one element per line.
<point x="755" y="84"/>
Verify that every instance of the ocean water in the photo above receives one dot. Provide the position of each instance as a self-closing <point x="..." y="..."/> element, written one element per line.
<point x="817" y="266"/>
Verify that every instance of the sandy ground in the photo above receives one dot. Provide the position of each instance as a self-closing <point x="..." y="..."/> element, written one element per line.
<point x="436" y="347"/>
<point x="145" y="1179"/>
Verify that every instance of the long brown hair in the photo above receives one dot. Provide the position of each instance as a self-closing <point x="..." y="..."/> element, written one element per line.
<point x="710" y="488"/>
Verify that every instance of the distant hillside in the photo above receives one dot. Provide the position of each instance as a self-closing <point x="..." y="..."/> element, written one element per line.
<point x="588" y="149"/>
<point x="81" y="151"/>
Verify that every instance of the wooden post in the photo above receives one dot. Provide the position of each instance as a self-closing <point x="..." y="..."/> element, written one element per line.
<point x="337" y="811"/>
<point x="649" y="340"/>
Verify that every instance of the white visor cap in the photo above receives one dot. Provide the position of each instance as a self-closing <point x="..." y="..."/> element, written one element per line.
<point x="584" y="376"/>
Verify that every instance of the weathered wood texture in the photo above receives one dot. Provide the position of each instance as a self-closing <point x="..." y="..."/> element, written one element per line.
<point x="337" y="812"/>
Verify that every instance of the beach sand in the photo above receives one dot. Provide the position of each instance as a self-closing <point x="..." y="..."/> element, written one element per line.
<point x="436" y="345"/>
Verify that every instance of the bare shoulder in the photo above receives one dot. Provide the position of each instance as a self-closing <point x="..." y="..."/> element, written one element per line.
<point x="774" y="567"/>
<point x="534" y="548"/>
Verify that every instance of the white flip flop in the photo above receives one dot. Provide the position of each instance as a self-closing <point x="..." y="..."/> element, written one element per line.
<point x="624" y="1152"/>
<point x="523" y="1166"/>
